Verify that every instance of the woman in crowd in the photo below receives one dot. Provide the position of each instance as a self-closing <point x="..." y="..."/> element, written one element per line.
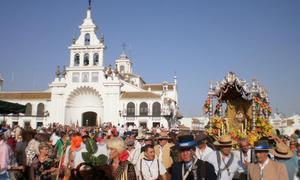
<point x="122" y="169"/>
<point x="42" y="166"/>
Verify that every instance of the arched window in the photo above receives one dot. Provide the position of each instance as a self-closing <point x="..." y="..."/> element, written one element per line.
<point x="40" y="110"/>
<point x="28" y="110"/>
<point x="130" y="109"/>
<point x="143" y="109"/>
<point x="156" y="109"/>
<point x="76" y="59"/>
<point x="86" y="59"/>
<point x="96" y="59"/>
<point x="122" y="69"/>
<point x="87" y="39"/>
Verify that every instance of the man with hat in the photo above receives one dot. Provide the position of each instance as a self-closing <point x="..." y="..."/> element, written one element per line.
<point x="163" y="149"/>
<point x="190" y="167"/>
<point x="202" y="150"/>
<point x="148" y="140"/>
<point x="284" y="155"/>
<point x="134" y="152"/>
<point x="4" y="156"/>
<point x="223" y="160"/>
<point x="265" y="168"/>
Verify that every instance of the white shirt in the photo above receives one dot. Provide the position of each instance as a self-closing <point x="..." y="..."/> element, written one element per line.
<point x="242" y="168"/>
<point x="262" y="166"/>
<point x="54" y="138"/>
<point x="225" y="175"/>
<point x="202" y="155"/>
<point x="77" y="156"/>
<point x="150" y="169"/>
<point x="102" y="149"/>
<point x="121" y="131"/>
<point x="130" y="128"/>
<point x="134" y="155"/>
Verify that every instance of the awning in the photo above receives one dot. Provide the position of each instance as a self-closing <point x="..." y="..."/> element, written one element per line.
<point x="8" y="108"/>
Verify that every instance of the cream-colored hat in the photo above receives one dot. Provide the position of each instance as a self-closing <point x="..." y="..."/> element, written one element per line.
<point x="282" y="151"/>
<point x="163" y="135"/>
<point x="225" y="140"/>
<point x="140" y="137"/>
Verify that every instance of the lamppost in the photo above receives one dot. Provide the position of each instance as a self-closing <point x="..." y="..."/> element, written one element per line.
<point x="120" y="114"/>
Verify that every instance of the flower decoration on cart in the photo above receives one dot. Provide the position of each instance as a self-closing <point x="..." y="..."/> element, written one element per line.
<point x="234" y="107"/>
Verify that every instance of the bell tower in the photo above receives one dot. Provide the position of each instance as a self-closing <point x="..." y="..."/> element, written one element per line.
<point x="87" y="50"/>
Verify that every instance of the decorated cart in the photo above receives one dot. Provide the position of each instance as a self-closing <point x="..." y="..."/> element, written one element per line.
<point x="234" y="107"/>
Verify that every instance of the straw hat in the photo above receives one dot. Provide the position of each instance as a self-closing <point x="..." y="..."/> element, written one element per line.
<point x="201" y="137"/>
<point x="225" y="140"/>
<point x="140" y="137"/>
<point x="281" y="151"/>
<point x="163" y="135"/>
<point x="148" y="137"/>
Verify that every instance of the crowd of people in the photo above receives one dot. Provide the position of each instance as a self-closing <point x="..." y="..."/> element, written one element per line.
<point x="130" y="153"/>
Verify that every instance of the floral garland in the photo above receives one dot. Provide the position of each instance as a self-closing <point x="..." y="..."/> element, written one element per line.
<point x="265" y="106"/>
<point x="218" y="109"/>
<point x="206" y="105"/>
<point x="263" y="129"/>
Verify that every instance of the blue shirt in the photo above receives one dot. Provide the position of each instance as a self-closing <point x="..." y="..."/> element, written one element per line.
<point x="291" y="166"/>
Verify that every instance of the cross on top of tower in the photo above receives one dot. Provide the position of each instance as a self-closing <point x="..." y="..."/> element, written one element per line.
<point x="123" y="47"/>
<point x="90" y="4"/>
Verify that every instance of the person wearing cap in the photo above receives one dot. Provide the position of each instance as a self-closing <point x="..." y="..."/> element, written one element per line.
<point x="284" y="155"/>
<point x="149" y="167"/>
<point x="134" y="153"/>
<point x="190" y="167"/>
<point x="4" y="156"/>
<point x="140" y="141"/>
<point x="163" y="149"/>
<point x="224" y="160"/>
<point x="148" y="139"/>
<point x="265" y="168"/>
<point x="202" y="150"/>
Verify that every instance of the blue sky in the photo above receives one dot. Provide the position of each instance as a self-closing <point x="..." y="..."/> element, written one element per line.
<point x="200" y="40"/>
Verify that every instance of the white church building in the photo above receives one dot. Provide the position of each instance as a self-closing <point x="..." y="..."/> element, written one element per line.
<point x="87" y="93"/>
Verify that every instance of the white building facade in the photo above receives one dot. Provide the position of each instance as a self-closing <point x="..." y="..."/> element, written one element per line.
<point x="87" y="93"/>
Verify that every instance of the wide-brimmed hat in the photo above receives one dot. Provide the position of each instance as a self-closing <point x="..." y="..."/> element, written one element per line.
<point x="282" y="151"/>
<point x="225" y="140"/>
<point x="200" y="137"/>
<point x="186" y="142"/>
<point x="148" y="137"/>
<point x="262" y="145"/>
<point x="163" y="135"/>
<point x="140" y="137"/>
